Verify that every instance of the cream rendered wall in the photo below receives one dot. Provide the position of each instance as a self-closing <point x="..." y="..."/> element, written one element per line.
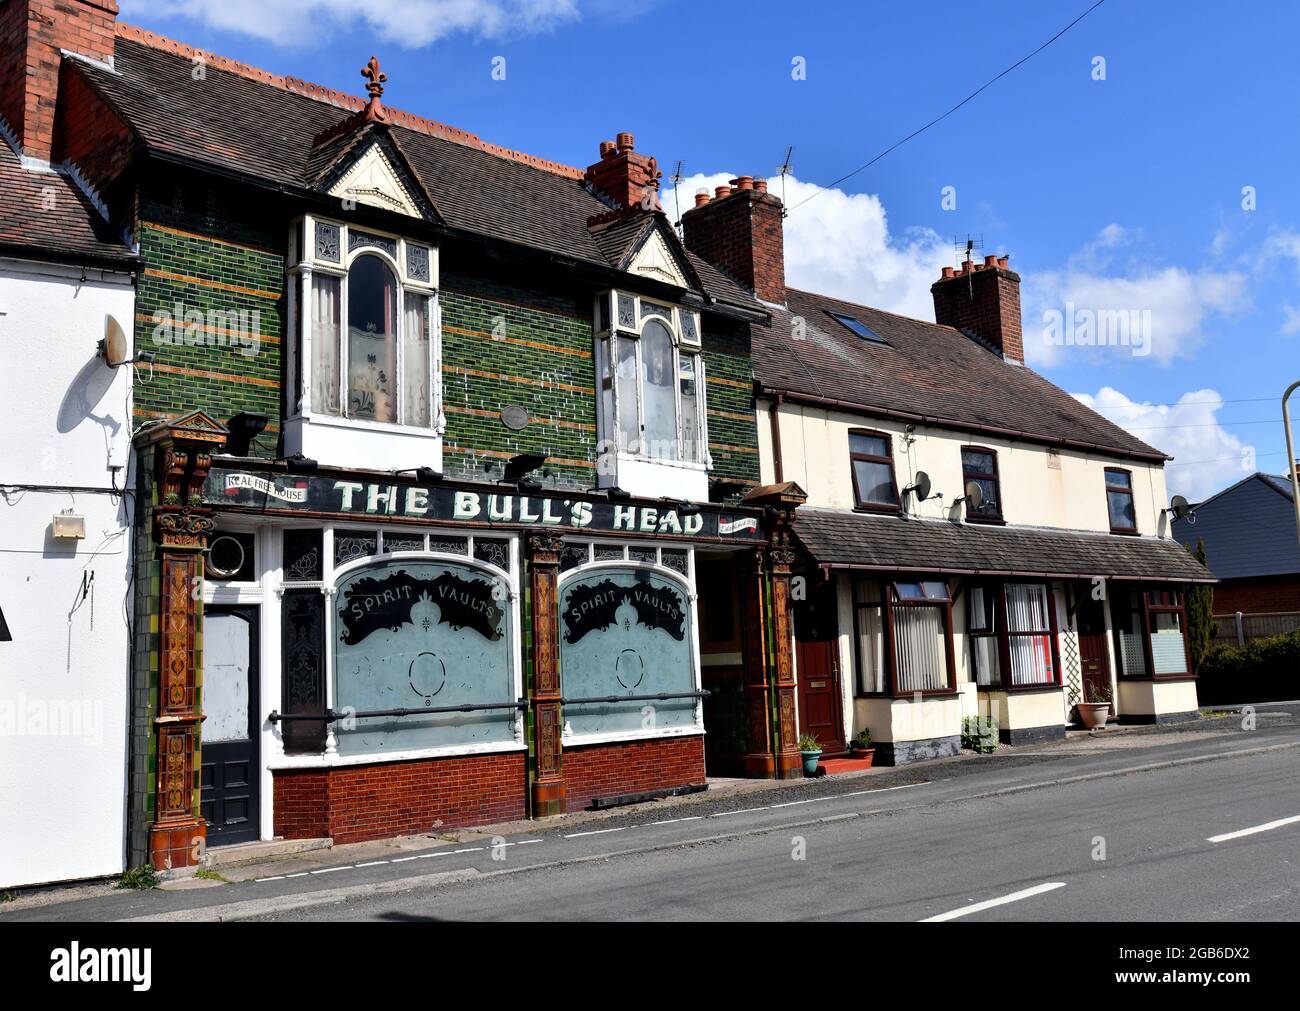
<point x="1064" y="489"/>
<point x="63" y="678"/>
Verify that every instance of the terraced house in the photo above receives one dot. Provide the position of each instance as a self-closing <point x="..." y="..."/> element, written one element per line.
<point x="468" y="490"/>
<point x="445" y="460"/>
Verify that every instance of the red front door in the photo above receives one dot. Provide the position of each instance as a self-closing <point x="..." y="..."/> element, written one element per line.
<point x="816" y="639"/>
<point x="1094" y="659"/>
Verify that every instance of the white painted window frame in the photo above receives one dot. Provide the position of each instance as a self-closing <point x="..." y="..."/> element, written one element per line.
<point x="609" y="429"/>
<point x="304" y="266"/>
<point x="687" y="582"/>
<point x="275" y="758"/>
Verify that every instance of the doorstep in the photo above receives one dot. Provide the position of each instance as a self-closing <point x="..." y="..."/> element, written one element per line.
<point x="843" y="766"/>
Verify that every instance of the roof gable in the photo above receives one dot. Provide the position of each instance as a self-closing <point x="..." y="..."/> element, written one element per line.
<point x="374" y="173"/>
<point x="1248" y="530"/>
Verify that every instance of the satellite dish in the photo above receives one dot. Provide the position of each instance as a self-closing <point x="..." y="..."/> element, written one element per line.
<point x="114" y="348"/>
<point x="974" y="495"/>
<point x="922" y="487"/>
<point x="1182" y="509"/>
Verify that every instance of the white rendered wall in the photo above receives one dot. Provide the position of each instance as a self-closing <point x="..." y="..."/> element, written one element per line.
<point x="64" y="677"/>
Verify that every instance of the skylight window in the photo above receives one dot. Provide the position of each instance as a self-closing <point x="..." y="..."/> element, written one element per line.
<point x="858" y="327"/>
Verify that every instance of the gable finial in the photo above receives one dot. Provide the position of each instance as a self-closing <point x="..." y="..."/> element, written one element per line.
<point x="375" y="79"/>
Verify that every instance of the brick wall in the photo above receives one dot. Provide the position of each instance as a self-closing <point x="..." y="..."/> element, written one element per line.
<point x="1258" y="596"/>
<point x="503" y="344"/>
<point x="729" y="397"/>
<point x="213" y="250"/>
<point x="31" y="34"/>
<point x="356" y="803"/>
<point x="607" y="770"/>
<point x="92" y="137"/>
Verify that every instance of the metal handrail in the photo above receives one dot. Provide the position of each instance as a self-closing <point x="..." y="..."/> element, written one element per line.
<point x="660" y="697"/>
<point x="330" y="716"/>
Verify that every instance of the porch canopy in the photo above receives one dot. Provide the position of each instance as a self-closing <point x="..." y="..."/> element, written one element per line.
<point x="846" y="540"/>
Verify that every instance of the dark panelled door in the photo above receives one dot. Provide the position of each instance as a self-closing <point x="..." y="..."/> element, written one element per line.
<point x="816" y="635"/>
<point x="1094" y="660"/>
<point x="228" y="796"/>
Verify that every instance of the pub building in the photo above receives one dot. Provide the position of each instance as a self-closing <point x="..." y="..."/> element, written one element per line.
<point x="445" y="462"/>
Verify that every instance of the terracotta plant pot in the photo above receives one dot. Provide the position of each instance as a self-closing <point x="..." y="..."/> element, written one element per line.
<point x="1093" y="714"/>
<point x="864" y="755"/>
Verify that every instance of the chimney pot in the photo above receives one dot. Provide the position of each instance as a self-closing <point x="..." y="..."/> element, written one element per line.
<point x="701" y="197"/>
<point x="722" y="192"/>
<point x="1003" y="261"/>
<point x="625" y="142"/>
<point x="760" y="185"/>
<point x="947" y="272"/>
<point x="990" y="260"/>
<point x="607" y="148"/>
<point x="744" y="182"/>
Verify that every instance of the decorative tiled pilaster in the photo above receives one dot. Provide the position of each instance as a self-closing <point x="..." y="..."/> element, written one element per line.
<point x="181" y="524"/>
<point x="548" y="775"/>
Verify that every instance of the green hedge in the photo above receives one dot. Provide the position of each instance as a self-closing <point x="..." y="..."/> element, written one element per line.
<point x="1257" y="672"/>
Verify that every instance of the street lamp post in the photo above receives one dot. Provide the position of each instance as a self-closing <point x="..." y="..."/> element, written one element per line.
<point x="1293" y="471"/>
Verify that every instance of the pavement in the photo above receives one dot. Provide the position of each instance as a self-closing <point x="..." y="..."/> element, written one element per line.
<point x="1110" y="825"/>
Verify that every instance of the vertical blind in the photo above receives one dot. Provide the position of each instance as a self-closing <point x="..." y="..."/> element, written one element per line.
<point x="922" y="650"/>
<point x="1031" y="655"/>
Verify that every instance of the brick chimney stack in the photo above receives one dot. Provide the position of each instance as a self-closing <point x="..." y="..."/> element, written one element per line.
<point x="631" y="180"/>
<point x="739" y="230"/>
<point x="32" y="33"/>
<point x="984" y="299"/>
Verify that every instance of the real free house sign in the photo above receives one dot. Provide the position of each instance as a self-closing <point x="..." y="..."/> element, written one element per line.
<point x="295" y="493"/>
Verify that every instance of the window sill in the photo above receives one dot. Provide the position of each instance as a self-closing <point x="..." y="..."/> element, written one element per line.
<point x="883" y="510"/>
<point x="662" y="461"/>
<point x="1125" y="533"/>
<point x="627" y="736"/>
<point x="281" y="762"/>
<point x="363" y="425"/>
<point x="1020" y="689"/>
<point x="1158" y="677"/>
<point x="986" y="521"/>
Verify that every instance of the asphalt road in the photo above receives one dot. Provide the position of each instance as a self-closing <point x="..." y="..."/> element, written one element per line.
<point x="1115" y="828"/>
<point x="1128" y="848"/>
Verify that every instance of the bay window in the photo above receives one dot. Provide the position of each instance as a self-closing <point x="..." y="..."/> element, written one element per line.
<point x="651" y="378"/>
<point x="1149" y="628"/>
<point x="1013" y="635"/>
<point x="366" y="346"/>
<point x="903" y="634"/>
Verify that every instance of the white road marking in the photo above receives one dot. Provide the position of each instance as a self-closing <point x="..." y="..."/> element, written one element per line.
<point x="402" y="860"/>
<point x="440" y="853"/>
<point x="746" y="810"/>
<point x="527" y="842"/>
<point x="472" y="849"/>
<point x="373" y="863"/>
<point x="599" y="831"/>
<point x="300" y="874"/>
<point x="1267" y="827"/>
<point x="883" y="789"/>
<point x="278" y="877"/>
<point x="979" y="907"/>
<point x="331" y="870"/>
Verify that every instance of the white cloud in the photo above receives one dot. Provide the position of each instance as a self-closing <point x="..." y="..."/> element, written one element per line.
<point x="1110" y="300"/>
<point x="1207" y="457"/>
<point x="410" y="24"/>
<point x="840" y="245"/>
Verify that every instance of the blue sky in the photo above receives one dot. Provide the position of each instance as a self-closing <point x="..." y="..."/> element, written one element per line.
<point x="1123" y="193"/>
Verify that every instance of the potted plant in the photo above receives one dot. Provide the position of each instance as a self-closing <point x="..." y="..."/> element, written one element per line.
<point x="860" y="746"/>
<point x="811" y="752"/>
<point x="1095" y="707"/>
